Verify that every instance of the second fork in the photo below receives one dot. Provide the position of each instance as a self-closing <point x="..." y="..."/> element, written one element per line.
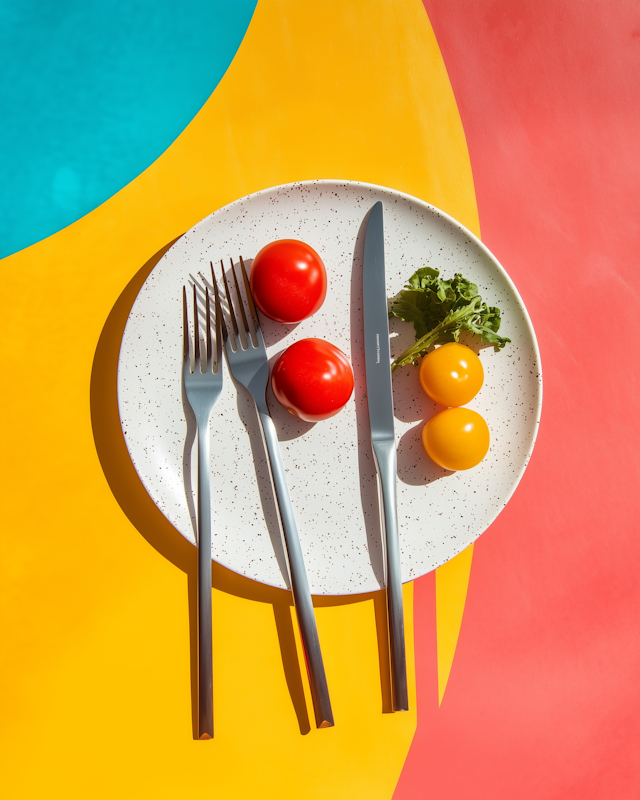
<point x="250" y="367"/>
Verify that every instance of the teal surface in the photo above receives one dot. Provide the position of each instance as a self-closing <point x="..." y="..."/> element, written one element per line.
<point x="92" y="92"/>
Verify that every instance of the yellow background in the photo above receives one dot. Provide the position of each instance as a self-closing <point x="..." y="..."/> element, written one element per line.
<point x="97" y="619"/>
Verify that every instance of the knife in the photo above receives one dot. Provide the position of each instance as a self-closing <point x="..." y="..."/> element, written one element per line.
<point x="380" y="400"/>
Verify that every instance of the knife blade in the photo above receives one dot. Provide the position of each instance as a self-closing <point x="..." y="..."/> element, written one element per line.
<point x="380" y="400"/>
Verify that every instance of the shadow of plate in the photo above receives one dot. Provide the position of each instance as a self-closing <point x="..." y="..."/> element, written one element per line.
<point x="144" y="515"/>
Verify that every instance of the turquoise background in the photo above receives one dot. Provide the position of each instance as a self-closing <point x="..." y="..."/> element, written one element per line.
<point x="92" y="92"/>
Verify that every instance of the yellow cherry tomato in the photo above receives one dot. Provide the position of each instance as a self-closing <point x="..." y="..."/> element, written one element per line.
<point x="451" y="375"/>
<point x="457" y="438"/>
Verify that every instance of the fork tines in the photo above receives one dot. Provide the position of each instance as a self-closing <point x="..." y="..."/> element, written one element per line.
<point x="203" y="354"/>
<point x="247" y="330"/>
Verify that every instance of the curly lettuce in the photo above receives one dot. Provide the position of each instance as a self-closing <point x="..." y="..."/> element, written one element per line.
<point x="440" y="310"/>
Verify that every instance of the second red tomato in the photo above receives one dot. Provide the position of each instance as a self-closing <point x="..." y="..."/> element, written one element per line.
<point x="288" y="280"/>
<point x="312" y="379"/>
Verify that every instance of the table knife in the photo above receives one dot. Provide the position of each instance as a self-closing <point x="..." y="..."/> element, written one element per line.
<point x="383" y="440"/>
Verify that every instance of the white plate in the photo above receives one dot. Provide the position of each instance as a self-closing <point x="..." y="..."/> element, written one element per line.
<point x="329" y="465"/>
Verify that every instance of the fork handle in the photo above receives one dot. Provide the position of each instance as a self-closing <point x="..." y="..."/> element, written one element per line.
<point x="205" y="648"/>
<point x="297" y="575"/>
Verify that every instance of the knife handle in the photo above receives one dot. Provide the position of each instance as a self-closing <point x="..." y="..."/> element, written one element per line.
<point x="297" y="574"/>
<point x="387" y="466"/>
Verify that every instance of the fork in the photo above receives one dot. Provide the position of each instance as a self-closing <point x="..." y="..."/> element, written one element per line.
<point x="250" y="367"/>
<point x="202" y="387"/>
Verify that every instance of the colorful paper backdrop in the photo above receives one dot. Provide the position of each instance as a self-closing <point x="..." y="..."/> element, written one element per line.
<point x="530" y="107"/>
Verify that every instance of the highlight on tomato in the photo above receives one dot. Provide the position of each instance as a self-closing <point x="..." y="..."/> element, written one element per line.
<point x="288" y="280"/>
<point x="456" y="438"/>
<point x="452" y="374"/>
<point x="312" y="379"/>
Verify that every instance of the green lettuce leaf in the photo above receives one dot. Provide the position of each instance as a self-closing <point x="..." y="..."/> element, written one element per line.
<point x="439" y="309"/>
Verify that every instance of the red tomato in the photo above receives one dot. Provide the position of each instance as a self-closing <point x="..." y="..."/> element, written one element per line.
<point x="312" y="379"/>
<point x="288" y="280"/>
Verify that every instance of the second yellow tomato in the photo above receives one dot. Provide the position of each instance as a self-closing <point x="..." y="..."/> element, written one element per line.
<point x="457" y="438"/>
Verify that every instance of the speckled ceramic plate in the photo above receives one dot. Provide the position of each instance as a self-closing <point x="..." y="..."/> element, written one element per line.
<point x="329" y="465"/>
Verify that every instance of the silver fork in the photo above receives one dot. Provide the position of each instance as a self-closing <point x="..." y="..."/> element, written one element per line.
<point x="250" y="367"/>
<point x="202" y="386"/>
